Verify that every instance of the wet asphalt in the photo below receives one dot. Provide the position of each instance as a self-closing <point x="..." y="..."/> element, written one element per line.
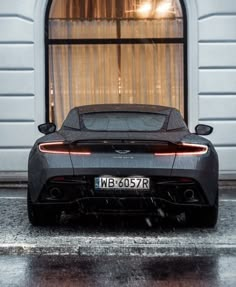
<point x="112" y="271"/>
<point x="115" y="251"/>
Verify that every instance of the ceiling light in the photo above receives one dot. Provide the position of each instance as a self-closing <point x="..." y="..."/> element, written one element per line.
<point x="164" y="8"/>
<point x="145" y="8"/>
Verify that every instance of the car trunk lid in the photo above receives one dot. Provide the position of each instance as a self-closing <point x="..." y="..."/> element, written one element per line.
<point x="121" y="157"/>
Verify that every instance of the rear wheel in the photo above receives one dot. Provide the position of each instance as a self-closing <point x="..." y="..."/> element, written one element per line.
<point x="39" y="216"/>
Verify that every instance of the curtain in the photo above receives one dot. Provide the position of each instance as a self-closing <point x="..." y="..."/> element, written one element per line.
<point x="80" y="74"/>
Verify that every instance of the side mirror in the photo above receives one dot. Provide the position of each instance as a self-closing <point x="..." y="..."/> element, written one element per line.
<point x="203" y="130"/>
<point x="47" y="128"/>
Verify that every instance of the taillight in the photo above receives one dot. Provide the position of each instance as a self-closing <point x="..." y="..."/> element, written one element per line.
<point x="192" y="149"/>
<point x="183" y="149"/>
<point x="61" y="148"/>
<point x="54" y="147"/>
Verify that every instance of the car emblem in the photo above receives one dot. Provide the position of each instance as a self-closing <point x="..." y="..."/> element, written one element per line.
<point x="119" y="151"/>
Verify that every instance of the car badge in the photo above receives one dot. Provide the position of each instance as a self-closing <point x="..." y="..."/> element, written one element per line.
<point x="119" y="151"/>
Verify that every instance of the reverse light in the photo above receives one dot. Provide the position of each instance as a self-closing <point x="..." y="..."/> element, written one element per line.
<point x="184" y="149"/>
<point x="61" y="148"/>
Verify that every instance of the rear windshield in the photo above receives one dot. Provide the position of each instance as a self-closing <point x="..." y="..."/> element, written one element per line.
<point x="123" y="121"/>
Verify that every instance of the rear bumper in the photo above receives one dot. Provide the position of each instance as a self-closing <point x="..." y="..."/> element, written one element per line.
<point x="44" y="167"/>
<point x="122" y="206"/>
<point x="78" y="193"/>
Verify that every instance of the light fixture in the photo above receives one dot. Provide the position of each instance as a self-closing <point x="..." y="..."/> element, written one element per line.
<point x="149" y="9"/>
<point x="164" y="8"/>
<point x="145" y="8"/>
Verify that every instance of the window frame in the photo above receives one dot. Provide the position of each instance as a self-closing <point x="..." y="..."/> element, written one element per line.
<point x="183" y="41"/>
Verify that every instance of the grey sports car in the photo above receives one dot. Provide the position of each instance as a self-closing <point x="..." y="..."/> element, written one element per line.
<point x="127" y="159"/>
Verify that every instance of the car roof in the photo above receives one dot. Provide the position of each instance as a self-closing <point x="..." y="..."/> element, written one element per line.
<point x="174" y="118"/>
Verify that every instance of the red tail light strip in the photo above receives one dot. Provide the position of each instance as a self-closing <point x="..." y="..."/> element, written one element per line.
<point x="197" y="149"/>
<point x="185" y="149"/>
<point x="80" y="153"/>
<point x="178" y="150"/>
<point x="59" y="148"/>
<point x="165" y="154"/>
<point x="54" y="147"/>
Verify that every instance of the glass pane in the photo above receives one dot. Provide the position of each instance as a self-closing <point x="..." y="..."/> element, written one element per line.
<point x="115" y="9"/>
<point x="93" y="19"/>
<point x="95" y="74"/>
<point x="115" y="63"/>
<point x="123" y="121"/>
<point x="152" y="29"/>
<point x="63" y="29"/>
<point x="81" y="75"/>
<point x="152" y="74"/>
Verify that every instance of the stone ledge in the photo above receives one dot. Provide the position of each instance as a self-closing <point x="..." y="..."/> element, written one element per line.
<point x="13" y="176"/>
<point x="157" y="250"/>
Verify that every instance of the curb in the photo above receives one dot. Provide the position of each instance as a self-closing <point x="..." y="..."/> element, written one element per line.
<point x="142" y="251"/>
<point x="12" y="185"/>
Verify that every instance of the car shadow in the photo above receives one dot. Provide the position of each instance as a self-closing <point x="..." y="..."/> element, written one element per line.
<point x="120" y="223"/>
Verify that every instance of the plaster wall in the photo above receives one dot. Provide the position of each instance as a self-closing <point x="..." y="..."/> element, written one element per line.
<point x="211" y="77"/>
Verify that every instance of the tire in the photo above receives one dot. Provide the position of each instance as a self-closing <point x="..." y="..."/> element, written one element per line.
<point x="205" y="216"/>
<point x="41" y="216"/>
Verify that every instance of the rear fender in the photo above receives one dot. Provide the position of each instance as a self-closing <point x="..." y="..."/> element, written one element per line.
<point x="43" y="166"/>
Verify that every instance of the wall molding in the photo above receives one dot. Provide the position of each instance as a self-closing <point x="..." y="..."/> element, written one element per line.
<point x="193" y="62"/>
<point x="39" y="25"/>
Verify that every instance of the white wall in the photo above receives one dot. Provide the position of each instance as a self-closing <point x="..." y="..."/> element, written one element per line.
<point x="217" y="77"/>
<point x="17" y="89"/>
<point x="21" y="98"/>
<point x="211" y="77"/>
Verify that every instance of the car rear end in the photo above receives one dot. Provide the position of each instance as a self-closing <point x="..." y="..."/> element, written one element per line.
<point x="131" y="177"/>
<point x="124" y="162"/>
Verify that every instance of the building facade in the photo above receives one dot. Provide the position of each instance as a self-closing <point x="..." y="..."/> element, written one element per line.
<point x="210" y="76"/>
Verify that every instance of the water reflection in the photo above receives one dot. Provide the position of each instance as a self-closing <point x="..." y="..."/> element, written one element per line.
<point x="118" y="271"/>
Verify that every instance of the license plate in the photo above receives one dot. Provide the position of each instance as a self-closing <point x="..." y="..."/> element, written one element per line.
<point x="142" y="183"/>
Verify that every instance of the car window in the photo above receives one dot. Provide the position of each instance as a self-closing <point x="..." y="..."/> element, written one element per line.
<point x="123" y="121"/>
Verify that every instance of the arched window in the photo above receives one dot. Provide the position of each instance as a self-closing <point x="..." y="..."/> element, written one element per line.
<point x="115" y="51"/>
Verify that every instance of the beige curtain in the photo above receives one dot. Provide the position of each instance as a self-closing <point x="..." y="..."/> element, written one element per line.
<point x="82" y="74"/>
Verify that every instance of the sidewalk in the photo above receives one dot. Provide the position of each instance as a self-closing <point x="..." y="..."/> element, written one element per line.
<point x="112" y="236"/>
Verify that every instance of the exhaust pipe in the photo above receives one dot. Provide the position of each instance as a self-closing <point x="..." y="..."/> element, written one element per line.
<point x="55" y="193"/>
<point x="189" y="195"/>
